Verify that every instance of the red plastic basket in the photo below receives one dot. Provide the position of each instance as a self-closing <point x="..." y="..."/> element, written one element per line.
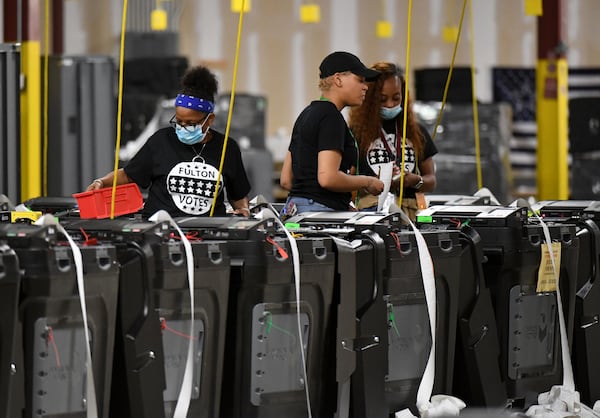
<point x="96" y="204"/>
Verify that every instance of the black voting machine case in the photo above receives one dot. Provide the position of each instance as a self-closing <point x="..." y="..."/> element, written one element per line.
<point x="12" y="391"/>
<point x="138" y="372"/>
<point x="161" y="287"/>
<point x="263" y="376"/>
<point x="385" y="374"/>
<point x="53" y="342"/>
<point x="530" y="361"/>
<point x="586" y="328"/>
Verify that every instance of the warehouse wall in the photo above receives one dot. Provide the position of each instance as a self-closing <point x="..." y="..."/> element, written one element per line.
<point x="279" y="55"/>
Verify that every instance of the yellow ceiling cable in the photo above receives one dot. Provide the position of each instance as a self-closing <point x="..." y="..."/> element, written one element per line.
<point x="406" y="73"/>
<point x="45" y="111"/>
<point x="474" y="100"/>
<point x="439" y="119"/>
<point x="119" y="109"/>
<point x="231" y="100"/>
<point x="473" y="92"/>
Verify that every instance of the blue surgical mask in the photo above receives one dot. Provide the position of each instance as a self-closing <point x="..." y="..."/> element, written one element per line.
<point x="192" y="137"/>
<point x="388" y="113"/>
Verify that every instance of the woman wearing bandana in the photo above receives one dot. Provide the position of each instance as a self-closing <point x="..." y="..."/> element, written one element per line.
<point x="179" y="165"/>
<point x="377" y="124"/>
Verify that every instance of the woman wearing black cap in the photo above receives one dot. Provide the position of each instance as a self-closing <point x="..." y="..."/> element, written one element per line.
<point x="322" y="157"/>
<point x="180" y="164"/>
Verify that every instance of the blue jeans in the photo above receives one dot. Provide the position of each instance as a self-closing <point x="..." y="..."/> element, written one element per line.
<point x="295" y="205"/>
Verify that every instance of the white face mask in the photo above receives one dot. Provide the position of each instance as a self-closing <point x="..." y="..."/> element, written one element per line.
<point x="388" y="113"/>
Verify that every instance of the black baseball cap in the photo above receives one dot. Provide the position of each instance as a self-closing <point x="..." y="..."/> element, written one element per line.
<point x="340" y="61"/>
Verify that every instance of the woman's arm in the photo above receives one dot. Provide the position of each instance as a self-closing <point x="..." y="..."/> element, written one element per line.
<point x="287" y="176"/>
<point x="331" y="178"/>
<point x="107" y="180"/>
<point x="427" y="168"/>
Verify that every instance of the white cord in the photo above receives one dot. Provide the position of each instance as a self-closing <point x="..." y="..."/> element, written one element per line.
<point x="185" y="393"/>
<point x="296" y="264"/>
<point x="91" y="403"/>
<point x="568" y="380"/>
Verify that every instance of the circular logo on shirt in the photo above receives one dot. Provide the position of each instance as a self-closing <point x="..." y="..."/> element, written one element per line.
<point x="192" y="186"/>
<point x="380" y="153"/>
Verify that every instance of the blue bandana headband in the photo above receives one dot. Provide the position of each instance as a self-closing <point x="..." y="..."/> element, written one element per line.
<point x="194" y="103"/>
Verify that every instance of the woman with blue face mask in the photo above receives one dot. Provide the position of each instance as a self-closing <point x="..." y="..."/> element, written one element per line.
<point x="179" y="164"/>
<point x="377" y="125"/>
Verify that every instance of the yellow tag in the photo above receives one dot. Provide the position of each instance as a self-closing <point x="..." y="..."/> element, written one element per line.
<point x="533" y="7"/>
<point x="546" y="278"/>
<point x="310" y="13"/>
<point x="450" y="34"/>
<point x="158" y="20"/>
<point x="25" y="216"/>
<point x="236" y="6"/>
<point x="384" y="29"/>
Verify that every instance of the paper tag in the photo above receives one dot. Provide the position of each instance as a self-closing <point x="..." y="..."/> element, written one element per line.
<point x="546" y="276"/>
<point x="533" y="7"/>
<point x="159" y="20"/>
<point x="236" y="6"/>
<point x="310" y="13"/>
<point x="450" y="34"/>
<point x="384" y="29"/>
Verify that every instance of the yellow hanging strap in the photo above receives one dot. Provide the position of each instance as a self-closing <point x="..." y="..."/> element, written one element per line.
<point x="474" y="100"/>
<point x="231" y="99"/>
<point x="406" y="71"/>
<point x="45" y="99"/>
<point x="119" y="109"/>
<point x="439" y="119"/>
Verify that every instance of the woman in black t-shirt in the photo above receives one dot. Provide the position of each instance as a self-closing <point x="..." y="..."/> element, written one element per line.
<point x="377" y="125"/>
<point x="319" y="168"/>
<point x="180" y="165"/>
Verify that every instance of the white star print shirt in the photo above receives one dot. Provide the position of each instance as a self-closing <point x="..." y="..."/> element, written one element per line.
<point x="379" y="154"/>
<point x="192" y="186"/>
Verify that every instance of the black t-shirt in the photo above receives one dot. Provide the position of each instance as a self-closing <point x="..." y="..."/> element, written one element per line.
<point x="182" y="178"/>
<point x="320" y="127"/>
<point x="381" y="152"/>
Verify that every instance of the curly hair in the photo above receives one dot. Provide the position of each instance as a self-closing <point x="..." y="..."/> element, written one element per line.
<point x="365" y="122"/>
<point x="199" y="82"/>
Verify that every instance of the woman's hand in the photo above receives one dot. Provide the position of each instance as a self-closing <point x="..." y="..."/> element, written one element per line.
<point x="410" y="180"/>
<point x="107" y="180"/>
<point x="240" y="207"/>
<point x="242" y="212"/>
<point x="96" y="184"/>
<point x="374" y="186"/>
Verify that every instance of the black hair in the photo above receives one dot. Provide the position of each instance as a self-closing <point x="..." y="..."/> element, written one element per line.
<point x="199" y="82"/>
